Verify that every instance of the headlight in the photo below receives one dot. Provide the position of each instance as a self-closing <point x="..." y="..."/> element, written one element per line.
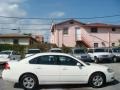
<point x="109" y="70"/>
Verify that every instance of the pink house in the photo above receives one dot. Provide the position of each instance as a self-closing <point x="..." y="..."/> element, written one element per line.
<point x="73" y="33"/>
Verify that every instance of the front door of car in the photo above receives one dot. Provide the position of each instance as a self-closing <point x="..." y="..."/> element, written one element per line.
<point x="70" y="72"/>
<point x="47" y="69"/>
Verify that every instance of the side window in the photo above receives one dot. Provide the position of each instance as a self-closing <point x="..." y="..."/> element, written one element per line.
<point x="64" y="60"/>
<point x="47" y="59"/>
<point x="95" y="45"/>
<point x="94" y="30"/>
<point x="14" y="53"/>
<point x="65" y="31"/>
<point x="34" y="61"/>
<point x="90" y="51"/>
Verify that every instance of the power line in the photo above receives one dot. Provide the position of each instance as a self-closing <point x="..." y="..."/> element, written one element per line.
<point x="24" y="29"/>
<point x="108" y="16"/>
<point x="26" y="24"/>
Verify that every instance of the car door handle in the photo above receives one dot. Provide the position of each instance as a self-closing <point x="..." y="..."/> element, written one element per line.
<point x="38" y="68"/>
<point x="65" y="69"/>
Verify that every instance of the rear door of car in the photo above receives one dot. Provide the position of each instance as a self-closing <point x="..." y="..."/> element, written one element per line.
<point x="46" y="68"/>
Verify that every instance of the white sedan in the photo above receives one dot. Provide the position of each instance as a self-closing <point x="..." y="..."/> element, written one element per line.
<point x="55" y="68"/>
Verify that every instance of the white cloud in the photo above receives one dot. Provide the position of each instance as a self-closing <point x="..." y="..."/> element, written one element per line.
<point x="57" y="14"/>
<point x="37" y="27"/>
<point x="10" y="8"/>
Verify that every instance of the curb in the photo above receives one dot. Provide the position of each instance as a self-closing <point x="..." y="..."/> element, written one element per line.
<point x="0" y="73"/>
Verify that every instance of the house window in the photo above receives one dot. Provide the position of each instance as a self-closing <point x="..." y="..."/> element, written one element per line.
<point x="65" y="31"/>
<point x="15" y="41"/>
<point x="95" y="45"/>
<point x="71" y="22"/>
<point x="94" y="30"/>
<point x="113" y="44"/>
<point x="113" y="29"/>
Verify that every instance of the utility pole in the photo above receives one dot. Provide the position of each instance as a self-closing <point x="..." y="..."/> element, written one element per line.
<point x="109" y="39"/>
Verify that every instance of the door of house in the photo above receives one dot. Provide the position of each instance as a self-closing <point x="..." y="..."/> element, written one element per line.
<point x="78" y="33"/>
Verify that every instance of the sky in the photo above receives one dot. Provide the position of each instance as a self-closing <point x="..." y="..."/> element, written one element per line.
<point x="53" y="9"/>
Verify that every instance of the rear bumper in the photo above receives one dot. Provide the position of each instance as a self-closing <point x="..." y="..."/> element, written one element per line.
<point x="7" y="76"/>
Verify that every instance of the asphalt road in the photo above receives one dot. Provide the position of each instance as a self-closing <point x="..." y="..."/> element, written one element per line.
<point x="4" y="85"/>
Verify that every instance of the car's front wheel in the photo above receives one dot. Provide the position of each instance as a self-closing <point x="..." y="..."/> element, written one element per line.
<point x="114" y="59"/>
<point x="28" y="82"/>
<point x="97" y="80"/>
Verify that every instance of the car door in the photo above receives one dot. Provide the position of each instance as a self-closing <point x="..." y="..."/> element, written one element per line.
<point x="46" y="68"/>
<point x="71" y="72"/>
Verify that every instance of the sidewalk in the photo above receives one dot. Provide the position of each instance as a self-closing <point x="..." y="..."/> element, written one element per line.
<point x="1" y="69"/>
<point x="0" y="73"/>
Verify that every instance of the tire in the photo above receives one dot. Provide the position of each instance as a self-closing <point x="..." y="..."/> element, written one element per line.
<point x="114" y="59"/>
<point x="96" y="60"/>
<point x="28" y="82"/>
<point x="97" y="80"/>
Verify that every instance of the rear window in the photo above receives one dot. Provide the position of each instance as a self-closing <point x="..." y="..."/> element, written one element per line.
<point x="78" y="51"/>
<point x="99" y="50"/>
<point x="56" y="51"/>
<point x="33" y="51"/>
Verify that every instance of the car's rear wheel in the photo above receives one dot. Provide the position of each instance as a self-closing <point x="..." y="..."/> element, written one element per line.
<point x="97" y="80"/>
<point x="28" y="82"/>
<point x="96" y="60"/>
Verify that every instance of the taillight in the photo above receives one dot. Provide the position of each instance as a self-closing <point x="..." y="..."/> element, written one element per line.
<point x="6" y="66"/>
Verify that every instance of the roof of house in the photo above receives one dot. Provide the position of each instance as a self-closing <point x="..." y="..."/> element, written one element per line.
<point x="17" y="36"/>
<point x="100" y="25"/>
<point x="71" y="21"/>
<point x="14" y="36"/>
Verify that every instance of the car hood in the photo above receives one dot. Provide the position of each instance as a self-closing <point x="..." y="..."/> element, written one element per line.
<point x="4" y="56"/>
<point x="101" y="53"/>
<point x="82" y="54"/>
<point x="97" y="67"/>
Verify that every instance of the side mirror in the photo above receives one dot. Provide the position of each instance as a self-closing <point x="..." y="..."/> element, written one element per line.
<point x="78" y="64"/>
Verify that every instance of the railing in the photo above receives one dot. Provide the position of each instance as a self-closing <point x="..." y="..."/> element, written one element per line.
<point x="86" y="39"/>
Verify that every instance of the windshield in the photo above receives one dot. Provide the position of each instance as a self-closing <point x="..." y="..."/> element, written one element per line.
<point x="116" y="50"/>
<point x="78" y="51"/>
<point x="99" y="50"/>
<point x="33" y="51"/>
<point x="56" y="51"/>
<point x="5" y="53"/>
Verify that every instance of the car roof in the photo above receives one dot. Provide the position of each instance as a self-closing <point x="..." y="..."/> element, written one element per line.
<point x="34" y="49"/>
<point x="7" y="51"/>
<point x="78" y="48"/>
<point x="98" y="48"/>
<point x="55" y="49"/>
<point x="48" y="53"/>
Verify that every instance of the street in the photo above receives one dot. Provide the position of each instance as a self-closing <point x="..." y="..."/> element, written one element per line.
<point x="4" y="85"/>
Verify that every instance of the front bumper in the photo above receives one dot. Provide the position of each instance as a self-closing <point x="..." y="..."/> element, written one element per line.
<point x="110" y="77"/>
<point x="105" y="58"/>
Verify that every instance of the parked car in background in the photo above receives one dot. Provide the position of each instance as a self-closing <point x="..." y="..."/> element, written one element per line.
<point x="116" y="52"/>
<point x="4" y="60"/>
<point x="81" y="54"/>
<point x="32" y="52"/>
<point x="55" y="68"/>
<point x="10" y="54"/>
<point x="55" y="50"/>
<point x="101" y="55"/>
